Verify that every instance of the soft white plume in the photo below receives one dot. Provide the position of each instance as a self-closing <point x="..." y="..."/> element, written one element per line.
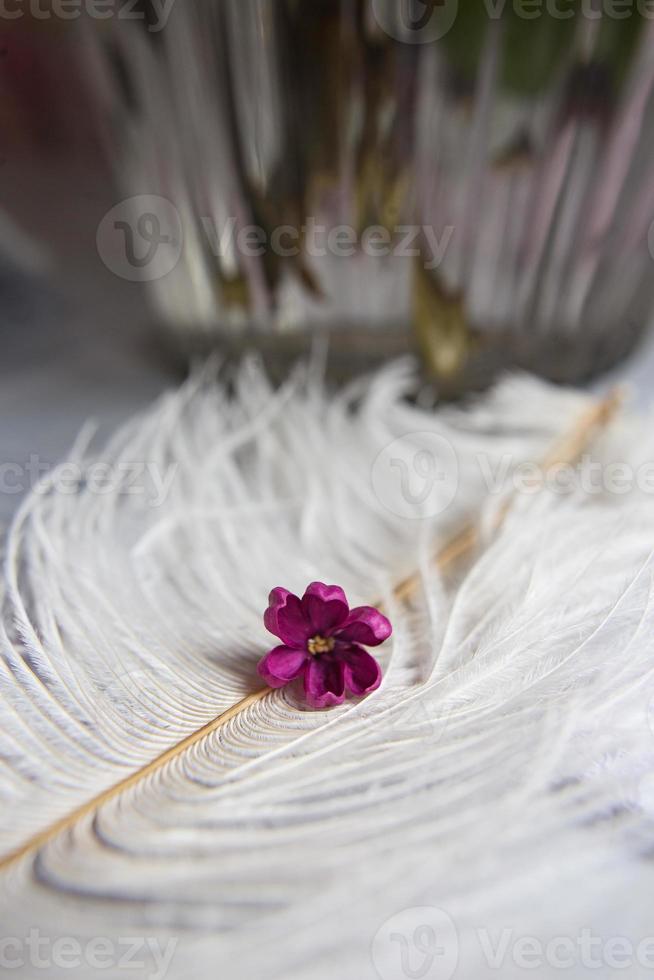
<point x="499" y="774"/>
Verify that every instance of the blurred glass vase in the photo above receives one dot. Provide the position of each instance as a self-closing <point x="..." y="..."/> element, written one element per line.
<point x="473" y="178"/>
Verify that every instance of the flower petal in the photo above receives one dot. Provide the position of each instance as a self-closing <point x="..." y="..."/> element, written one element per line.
<point x="281" y="665"/>
<point x="286" y="618"/>
<point x="324" y="681"/>
<point x="362" y="672"/>
<point x="325" y="607"/>
<point x="366" y="625"/>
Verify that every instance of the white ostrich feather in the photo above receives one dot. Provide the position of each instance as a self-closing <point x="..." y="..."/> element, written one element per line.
<point x="499" y="774"/>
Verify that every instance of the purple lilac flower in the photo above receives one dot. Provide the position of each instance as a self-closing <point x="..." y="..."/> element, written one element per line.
<point x="321" y="642"/>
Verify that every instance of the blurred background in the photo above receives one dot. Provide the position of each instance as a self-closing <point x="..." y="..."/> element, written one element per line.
<point x="469" y="182"/>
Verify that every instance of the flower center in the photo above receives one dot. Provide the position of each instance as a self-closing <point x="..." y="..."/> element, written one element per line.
<point x="320" y="644"/>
